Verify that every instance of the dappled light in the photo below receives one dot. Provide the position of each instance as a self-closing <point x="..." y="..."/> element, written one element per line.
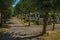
<point x="29" y="19"/>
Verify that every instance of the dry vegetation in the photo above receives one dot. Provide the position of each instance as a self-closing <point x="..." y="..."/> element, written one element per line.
<point x="3" y="29"/>
<point x="51" y="35"/>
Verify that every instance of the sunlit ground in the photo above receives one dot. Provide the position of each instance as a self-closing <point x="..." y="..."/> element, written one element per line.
<point x="51" y="35"/>
<point x="3" y="29"/>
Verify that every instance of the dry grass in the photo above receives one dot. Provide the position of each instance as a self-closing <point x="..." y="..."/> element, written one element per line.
<point x="3" y="29"/>
<point x="51" y="35"/>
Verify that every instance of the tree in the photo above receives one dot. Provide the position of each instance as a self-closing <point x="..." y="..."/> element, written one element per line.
<point x="44" y="5"/>
<point x="4" y="4"/>
<point x="24" y="7"/>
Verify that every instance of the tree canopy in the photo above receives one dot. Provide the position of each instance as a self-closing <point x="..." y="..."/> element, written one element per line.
<point x="51" y="5"/>
<point x="45" y="6"/>
<point x="4" y="4"/>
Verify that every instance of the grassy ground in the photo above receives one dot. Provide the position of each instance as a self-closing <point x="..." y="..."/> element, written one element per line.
<point x="51" y="35"/>
<point x="32" y="24"/>
<point x="3" y="29"/>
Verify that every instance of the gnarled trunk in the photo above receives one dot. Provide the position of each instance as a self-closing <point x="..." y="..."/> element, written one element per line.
<point x="29" y="19"/>
<point x="53" y="21"/>
<point x="1" y="18"/>
<point x="53" y="25"/>
<point x="4" y="18"/>
<point x="45" y="22"/>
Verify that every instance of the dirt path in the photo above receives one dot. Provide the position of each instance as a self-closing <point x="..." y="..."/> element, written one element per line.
<point x="19" y="30"/>
<point x="17" y="24"/>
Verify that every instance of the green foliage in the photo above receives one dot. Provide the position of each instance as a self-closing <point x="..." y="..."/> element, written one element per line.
<point x="31" y="6"/>
<point x="24" y="6"/>
<point x="4" y="4"/>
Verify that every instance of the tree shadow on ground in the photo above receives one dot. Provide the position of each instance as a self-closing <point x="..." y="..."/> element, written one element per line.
<point x="6" y="36"/>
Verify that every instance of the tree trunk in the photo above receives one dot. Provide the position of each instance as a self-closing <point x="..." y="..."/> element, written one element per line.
<point x="4" y="18"/>
<point x="45" y="22"/>
<point x="29" y="19"/>
<point x="1" y="18"/>
<point x="38" y="16"/>
<point x="53" y="26"/>
<point x="53" y="22"/>
<point x="21" y="17"/>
